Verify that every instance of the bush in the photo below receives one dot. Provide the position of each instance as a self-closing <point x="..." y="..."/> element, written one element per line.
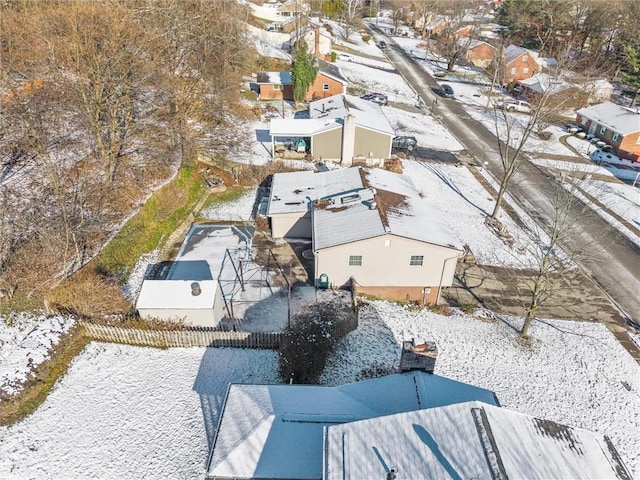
<point x="307" y="342"/>
<point x="366" y="38"/>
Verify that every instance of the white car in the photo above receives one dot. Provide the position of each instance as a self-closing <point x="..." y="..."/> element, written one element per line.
<point x="345" y="57"/>
<point x="515" y="106"/>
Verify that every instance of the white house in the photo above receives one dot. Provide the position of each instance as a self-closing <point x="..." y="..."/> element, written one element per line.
<point x="370" y="225"/>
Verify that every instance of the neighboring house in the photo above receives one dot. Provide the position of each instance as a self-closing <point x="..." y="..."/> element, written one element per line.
<point x="279" y="85"/>
<point x="618" y="126"/>
<point x="413" y="425"/>
<point x="519" y="64"/>
<point x="436" y="26"/>
<point x="479" y="54"/>
<point x="293" y="8"/>
<point x="342" y="128"/>
<point x="276" y="431"/>
<point x="274" y="86"/>
<point x="569" y="92"/>
<point x="329" y="82"/>
<point x="370" y="225"/>
<point x="318" y="39"/>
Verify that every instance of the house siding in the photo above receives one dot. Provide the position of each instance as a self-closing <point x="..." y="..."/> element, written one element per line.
<point x="385" y="265"/>
<point x="327" y="145"/>
<point x="368" y="141"/>
<point x="316" y="92"/>
<point x="291" y="225"/>
<point x="267" y="92"/>
<point x="481" y="56"/>
<point x="520" y="65"/>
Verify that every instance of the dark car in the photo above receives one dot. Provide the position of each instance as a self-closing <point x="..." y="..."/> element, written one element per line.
<point x="404" y="143"/>
<point x="382" y="44"/>
<point x="446" y="90"/>
<point x="379" y="98"/>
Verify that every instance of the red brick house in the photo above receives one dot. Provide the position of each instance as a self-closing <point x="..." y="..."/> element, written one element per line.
<point x="279" y="86"/>
<point x="618" y="126"/>
<point x="480" y="54"/>
<point x="519" y="64"/>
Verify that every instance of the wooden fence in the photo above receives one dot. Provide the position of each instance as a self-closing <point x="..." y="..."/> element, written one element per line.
<point x="181" y="338"/>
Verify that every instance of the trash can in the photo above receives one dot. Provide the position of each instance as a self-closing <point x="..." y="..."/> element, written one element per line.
<point x="323" y="281"/>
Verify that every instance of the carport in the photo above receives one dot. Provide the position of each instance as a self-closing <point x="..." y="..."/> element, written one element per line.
<point x="288" y="131"/>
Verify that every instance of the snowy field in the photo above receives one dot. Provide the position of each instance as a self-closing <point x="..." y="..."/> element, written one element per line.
<point x="131" y="412"/>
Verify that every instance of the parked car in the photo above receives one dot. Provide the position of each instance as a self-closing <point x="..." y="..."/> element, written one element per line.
<point x="379" y="98"/>
<point x="515" y="106"/>
<point x="573" y="128"/>
<point x="440" y="74"/>
<point x="404" y="142"/>
<point x="382" y="44"/>
<point x="446" y="90"/>
<point x="345" y="57"/>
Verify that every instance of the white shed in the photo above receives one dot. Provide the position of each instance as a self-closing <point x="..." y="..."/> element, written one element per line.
<point x="197" y="303"/>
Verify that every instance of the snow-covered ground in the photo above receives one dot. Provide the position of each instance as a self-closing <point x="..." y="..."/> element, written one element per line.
<point x="131" y="412"/>
<point x="25" y="342"/>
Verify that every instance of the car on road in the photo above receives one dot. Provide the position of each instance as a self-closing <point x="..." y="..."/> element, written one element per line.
<point x="379" y="98"/>
<point x="345" y="57"/>
<point x="515" y="106"/>
<point x="446" y="90"/>
<point x="382" y="44"/>
<point x="404" y="142"/>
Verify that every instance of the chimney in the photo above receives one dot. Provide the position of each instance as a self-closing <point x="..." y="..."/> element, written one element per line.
<point x="418" y="354"/>
<point x="195" y="289"/>
<point x="317" y="43"/>
<point x="348" y="140"/>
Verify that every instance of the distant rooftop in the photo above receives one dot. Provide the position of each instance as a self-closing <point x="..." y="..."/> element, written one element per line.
<point x="277" y="78"/>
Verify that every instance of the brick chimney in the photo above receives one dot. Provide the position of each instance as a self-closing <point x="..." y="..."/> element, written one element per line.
<point x="418" y="354"/>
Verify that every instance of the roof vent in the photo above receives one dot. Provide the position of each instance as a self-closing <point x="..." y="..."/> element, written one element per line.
<point x="195" y="289"/>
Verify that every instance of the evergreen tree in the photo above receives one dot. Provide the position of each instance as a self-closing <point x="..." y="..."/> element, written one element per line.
<point x="630" y="75"/>
<point x="303" y="72"/>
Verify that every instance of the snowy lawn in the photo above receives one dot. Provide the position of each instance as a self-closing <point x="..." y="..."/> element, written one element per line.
<point x="131" y="412"/>
<point x="25" y="342"/>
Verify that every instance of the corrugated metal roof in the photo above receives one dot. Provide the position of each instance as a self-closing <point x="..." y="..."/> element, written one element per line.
<point x="615" y="117"/>
<point x="301" y="127"/>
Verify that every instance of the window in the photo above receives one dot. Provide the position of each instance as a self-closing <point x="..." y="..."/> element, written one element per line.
<point x="615" y="137"/>
<point x="525" y="70"/>
<point x="355" y="260"/>
<point x="525" y="58"/>
<point x="603" y="130"/>
<point x="277" y="86"/>
<point x="513" y="70"/>
<point x="416" y="260"/>
<point x="325" y="86"/>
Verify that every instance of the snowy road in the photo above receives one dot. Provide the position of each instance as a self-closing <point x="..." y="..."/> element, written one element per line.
<point x="614" y="265"/>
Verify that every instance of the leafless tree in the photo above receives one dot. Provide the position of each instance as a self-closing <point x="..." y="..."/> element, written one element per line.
<point x="351" y="11"/>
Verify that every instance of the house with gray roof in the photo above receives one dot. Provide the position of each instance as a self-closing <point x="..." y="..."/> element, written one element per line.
<point x="614" y="124"/>
<point x="369" y="225"/>
<point x="342" y="129"/>
<point x="412" y="425"/>
<point x="276" y="431"/>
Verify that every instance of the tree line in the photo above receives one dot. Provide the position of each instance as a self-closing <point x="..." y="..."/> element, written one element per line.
<point x="100" y="101"/>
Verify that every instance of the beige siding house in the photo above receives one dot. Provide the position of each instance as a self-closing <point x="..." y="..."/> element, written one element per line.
<point x="369" y="225"/>
<point x="342" y="129"/>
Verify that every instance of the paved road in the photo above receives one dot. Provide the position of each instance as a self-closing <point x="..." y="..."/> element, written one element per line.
<point x="615" y="265"/>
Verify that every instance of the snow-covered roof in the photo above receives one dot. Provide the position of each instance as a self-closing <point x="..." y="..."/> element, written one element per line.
<point x="293" y="191"/>
<point x="176" y="294"/>
<point x="388" y="204"/>
<point x="301" y="127"/>
<point x="367" y="114"/>
<point x="541" y="83"/>
<point x="277" y="78"/>
<point x="331" y="71"/>
<point x="467" y="440"/>
<point x="615" y="117"/>
<point x="276" y="431"/>
<point x="472" y="43"/>
<point x="513" y="51"/>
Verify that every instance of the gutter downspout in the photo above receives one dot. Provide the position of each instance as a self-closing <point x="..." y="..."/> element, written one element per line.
<point x="444" y="266"/>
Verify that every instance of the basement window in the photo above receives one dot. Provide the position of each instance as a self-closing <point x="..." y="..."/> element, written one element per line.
<point x="416" y="260"/>
<point x="355" y="260"/>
